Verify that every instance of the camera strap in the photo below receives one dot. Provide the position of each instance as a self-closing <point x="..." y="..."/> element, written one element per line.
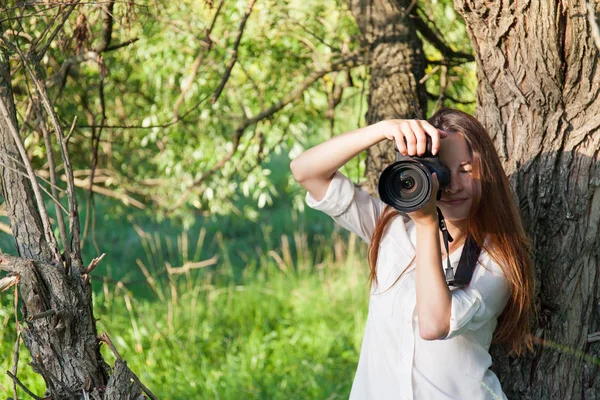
<point x="468" y="258"/>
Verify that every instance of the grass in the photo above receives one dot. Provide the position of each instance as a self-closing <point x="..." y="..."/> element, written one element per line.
<point x="280" y="315"/>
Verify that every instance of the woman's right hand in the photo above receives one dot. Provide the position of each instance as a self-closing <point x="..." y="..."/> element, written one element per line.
<point x="410" y="135"/>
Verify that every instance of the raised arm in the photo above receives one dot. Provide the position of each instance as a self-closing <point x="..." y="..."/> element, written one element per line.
<point x="314" y="168"/>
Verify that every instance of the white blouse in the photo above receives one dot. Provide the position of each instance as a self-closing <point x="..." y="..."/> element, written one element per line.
<point x="395" y="363"/>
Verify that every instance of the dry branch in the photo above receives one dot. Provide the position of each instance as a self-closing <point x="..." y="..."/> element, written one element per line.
<point x="188" y="266"/>
<point x="435" y="38"/>
<point x="233" y="59"/>
<point x="103" y="190"/>
<point x="25" y="389"/>
<point x="52" y="173"/>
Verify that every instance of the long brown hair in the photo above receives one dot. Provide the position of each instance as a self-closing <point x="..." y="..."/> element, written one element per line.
<point x="494" y="223"/>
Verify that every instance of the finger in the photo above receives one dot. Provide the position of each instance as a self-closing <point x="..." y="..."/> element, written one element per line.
<point x="435" y="135"/>
<point x="435" y="182"/>
<point x="421" y="137"/>
<point x="400" y="145"/>
<point x="411" y="140"/>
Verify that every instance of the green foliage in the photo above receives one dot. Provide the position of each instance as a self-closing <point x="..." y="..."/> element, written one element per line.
<point x="461" y="80"/>
<point x="282" y="43"/>
<point x="149" y="154"/>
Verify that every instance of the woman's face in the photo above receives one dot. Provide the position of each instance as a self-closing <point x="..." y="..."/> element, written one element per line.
<point x="457" y="197"/>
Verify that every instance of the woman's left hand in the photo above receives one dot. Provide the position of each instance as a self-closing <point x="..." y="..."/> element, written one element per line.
<point x="427" y="214"/>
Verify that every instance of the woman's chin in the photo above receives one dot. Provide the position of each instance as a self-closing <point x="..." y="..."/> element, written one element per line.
<point x="454" y="214"/>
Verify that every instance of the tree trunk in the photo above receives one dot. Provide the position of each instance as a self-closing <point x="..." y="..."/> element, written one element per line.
<point x="397" y="64"/>
<point x="58" y="325"/>
<point x="538" y="86"/>
<point x="24" y="218"/>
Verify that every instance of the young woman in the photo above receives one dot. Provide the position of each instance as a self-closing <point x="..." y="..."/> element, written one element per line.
<point x="424" y="340"/>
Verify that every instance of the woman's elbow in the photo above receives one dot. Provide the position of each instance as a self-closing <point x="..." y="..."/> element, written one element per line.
<point x="433" y="332"/>
<point x="296" y="171"/>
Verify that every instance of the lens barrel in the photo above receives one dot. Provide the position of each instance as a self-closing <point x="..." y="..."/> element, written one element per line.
<point x="407" y="185"/>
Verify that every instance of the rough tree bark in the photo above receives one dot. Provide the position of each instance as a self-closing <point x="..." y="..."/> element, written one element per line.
<point x="27" y="226"/>
<point x="58" y="325"/>
<point x="397" y="64"/>
<point x="538" y="86"/>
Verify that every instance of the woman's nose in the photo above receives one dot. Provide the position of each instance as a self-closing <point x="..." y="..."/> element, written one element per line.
<point x="454" y="185"/>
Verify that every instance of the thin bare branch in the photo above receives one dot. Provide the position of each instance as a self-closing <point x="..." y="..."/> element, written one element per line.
<point x="15" y="170"/>
<point x="18" y="341"/>
<point x="107" y="26"/>
<point x="188" y="266"/>
<point x="435" y="38"/>
<point x="443" y="86"/>
<point x="84" y="184"/>
<point x="75" y="249"/>
<point x="453" y="99"/>
<point x="94" y="263"/>
<point x="123" y="44"/>
<point x="52" y="172"/>
<point x="25" y="389"/>
<point x="65" y="16"/>
<point x="233" y="59"/>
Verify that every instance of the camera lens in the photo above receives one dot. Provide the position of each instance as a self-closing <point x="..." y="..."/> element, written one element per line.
<point x="405" y="185"/>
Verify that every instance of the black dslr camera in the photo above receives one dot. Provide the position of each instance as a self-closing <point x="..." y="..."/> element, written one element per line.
<point x="406" y="185"/>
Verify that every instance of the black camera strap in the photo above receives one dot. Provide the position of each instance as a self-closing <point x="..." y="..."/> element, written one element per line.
<point x="468" y="258"/>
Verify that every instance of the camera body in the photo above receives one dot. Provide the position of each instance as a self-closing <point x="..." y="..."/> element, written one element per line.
<point x="407" y="184"/>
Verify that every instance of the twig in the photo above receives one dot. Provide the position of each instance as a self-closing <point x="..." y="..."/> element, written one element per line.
<point x="94" y="263"/>
<point x="125" y="43"/>
<point x="81" y="183"/>
<point x="105" y="339"/>
<point x="453" y="99"/>
<point x="71" y="130"/>
<point x="34" y="70"/>
<point x="52" y="171"/>
<point x="18" y="382"/>
<point x="18" y="328"/>
<point x="409" y="8"/>
<point x="233" y="59"/>
<point x="188" y="266"/>
<point x="8" y="281"/>
<point x="16" y="171"/>
<point x="429" y="74"/>
<point x="107" y="26"/>
<point x="435" y="38"/>
<point x="65" y="16"/>
<point x="443" y="86"/>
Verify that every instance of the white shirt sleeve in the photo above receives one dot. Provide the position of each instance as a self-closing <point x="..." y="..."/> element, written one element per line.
<point x="350" y="207"/>
<point x="484" y="298"/>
